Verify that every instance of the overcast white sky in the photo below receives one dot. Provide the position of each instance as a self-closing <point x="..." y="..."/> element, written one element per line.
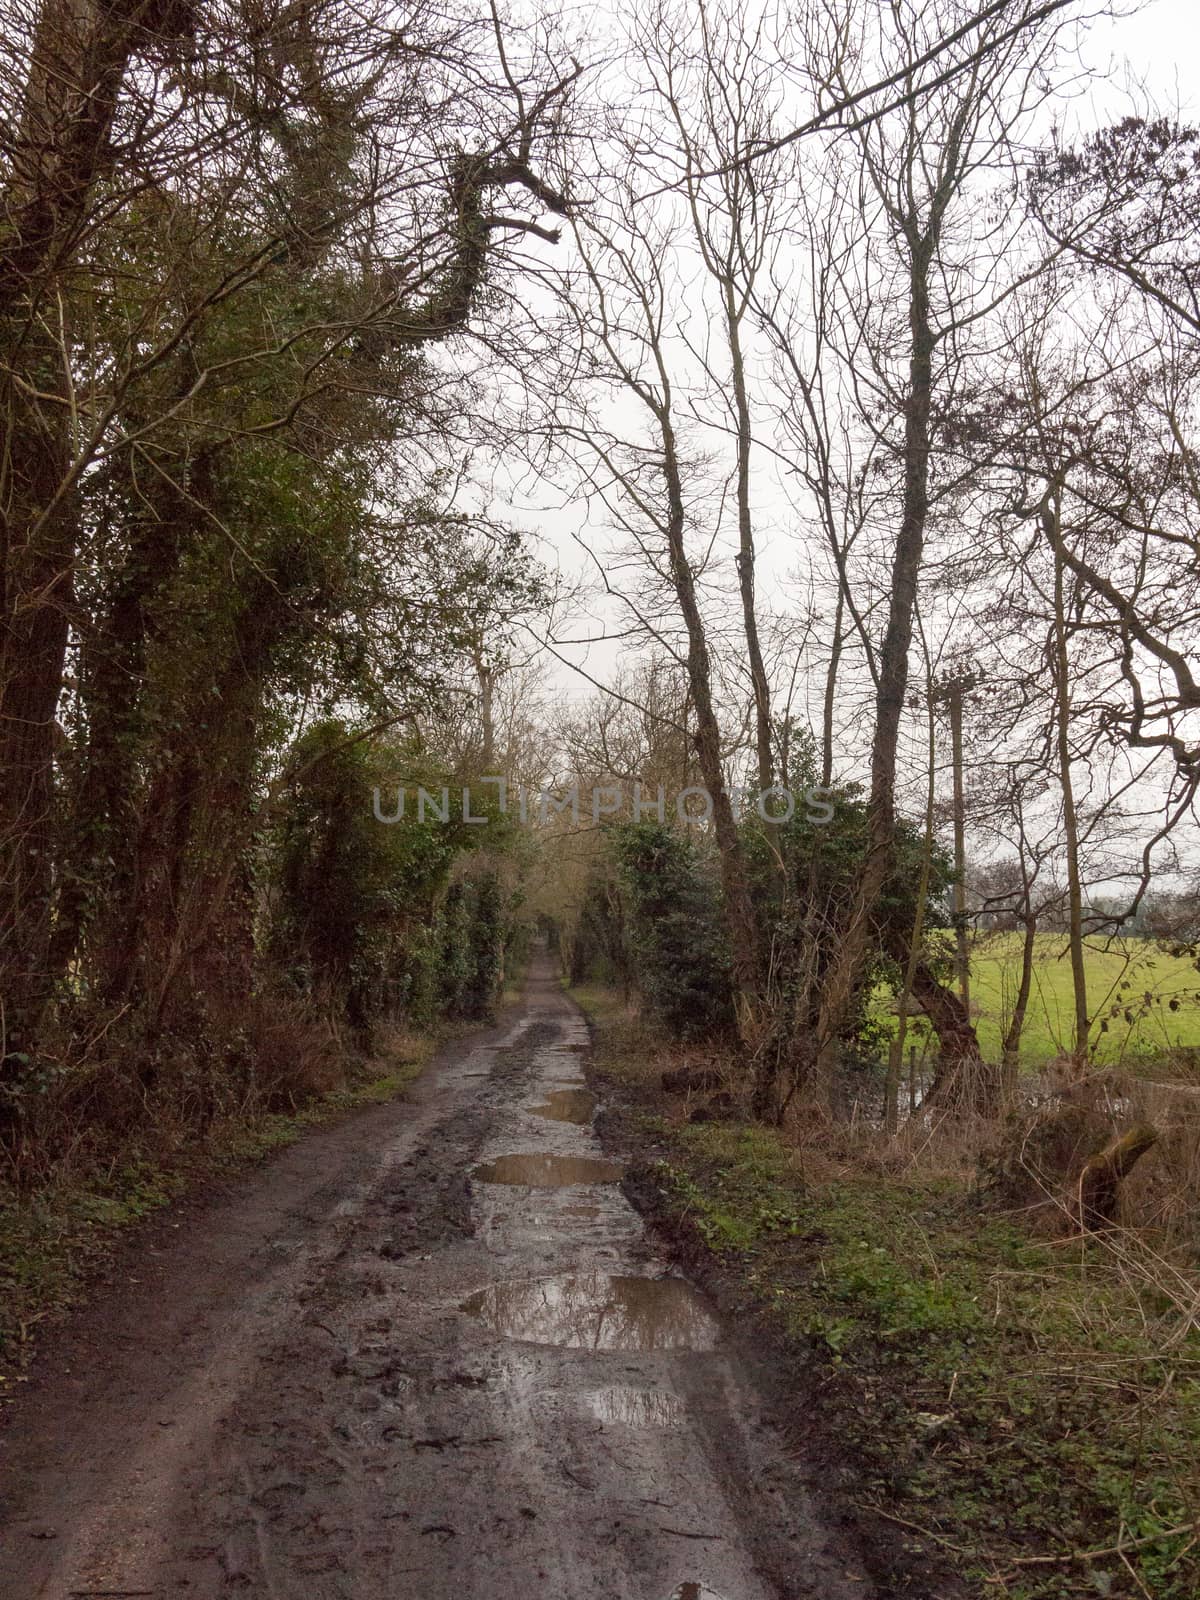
<point x="1158" y="44"/>
<point x="1146" y="57"/>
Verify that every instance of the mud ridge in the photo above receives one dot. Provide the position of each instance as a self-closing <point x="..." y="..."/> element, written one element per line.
<point x="803" y="1398"/>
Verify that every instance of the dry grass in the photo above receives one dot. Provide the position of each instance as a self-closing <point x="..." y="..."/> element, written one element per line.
<point x="1027" y="1168"/>
<point x="112" y="1091"/>
<point x="104" y="1144"/>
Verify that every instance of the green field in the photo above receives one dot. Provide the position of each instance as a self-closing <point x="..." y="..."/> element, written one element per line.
<point x="1144" y="1002"/>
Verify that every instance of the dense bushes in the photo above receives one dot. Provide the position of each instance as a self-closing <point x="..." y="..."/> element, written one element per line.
<point x="475" y="933"/>
<point x="376" y="919"/>
<point x="356" y="924"/>
<point x="650" y="919"/>
<point x="664" y="928"/>
<point x="597" y="945"/>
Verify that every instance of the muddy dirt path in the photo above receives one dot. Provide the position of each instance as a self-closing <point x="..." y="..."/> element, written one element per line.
<point x="429" y="1352"/>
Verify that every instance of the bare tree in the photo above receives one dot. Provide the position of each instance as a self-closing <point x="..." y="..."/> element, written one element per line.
<point x="920" y="168"/>
<point x="718" y="94"/>
<point x="654" y="494"/>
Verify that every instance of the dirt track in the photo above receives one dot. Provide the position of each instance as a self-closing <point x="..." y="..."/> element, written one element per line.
<point x="345" y="1380"/>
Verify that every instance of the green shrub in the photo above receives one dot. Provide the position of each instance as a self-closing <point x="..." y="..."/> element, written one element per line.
<point x="676" y="937"/>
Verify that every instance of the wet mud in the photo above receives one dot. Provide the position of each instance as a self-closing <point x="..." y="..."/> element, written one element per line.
<point x="595" y="1311"/>
<point x="535" y="1171"/>
<point x="567" y="1105"/>
<point x="370" y="1371"/>
<point x="623" y="1406"/>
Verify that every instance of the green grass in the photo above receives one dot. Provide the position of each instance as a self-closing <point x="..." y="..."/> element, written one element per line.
<point x="1023" y="1404"/>
<point x="1131" y="987"/>
<point x="1130" y="990"/>
<point x="1011" y="1398"/>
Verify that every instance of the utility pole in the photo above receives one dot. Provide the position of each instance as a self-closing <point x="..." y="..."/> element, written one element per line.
<point x="951" y="692"/>
<point x="1052" y="524"/>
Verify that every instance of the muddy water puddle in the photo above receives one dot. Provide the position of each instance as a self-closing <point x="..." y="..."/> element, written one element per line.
<point x="567" y="1105"/>
<point x="597" y="1311"/>
<point x="547" y="1171"/>
<point x="637" y="1408"/>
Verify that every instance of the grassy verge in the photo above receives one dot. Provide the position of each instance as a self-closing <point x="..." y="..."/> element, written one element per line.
<point x="1019" y="1405"/>
<point x="53" y="1240"/>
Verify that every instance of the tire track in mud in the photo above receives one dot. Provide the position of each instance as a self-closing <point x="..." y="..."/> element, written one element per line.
<point x="366" y="1432"/>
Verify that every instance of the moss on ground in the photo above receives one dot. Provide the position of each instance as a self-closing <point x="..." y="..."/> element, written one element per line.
<point x="1017" y="1401"/>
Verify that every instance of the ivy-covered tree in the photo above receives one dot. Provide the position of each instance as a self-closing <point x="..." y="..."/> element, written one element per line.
<point x="675" y="932"/>
<point x="211" y="347"/>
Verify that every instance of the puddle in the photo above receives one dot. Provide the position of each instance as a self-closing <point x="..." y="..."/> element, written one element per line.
<point x="594" y="1311"/>
<point x="638" y="1408"/>
<point x="567" y="1105"/>
<point x="547" y="1171"/>
<point x="693" y="1591"/>
<point x="581" y="1211"/>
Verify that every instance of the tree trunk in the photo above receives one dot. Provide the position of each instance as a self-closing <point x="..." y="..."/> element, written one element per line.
<point x="81" y="51"/>
<point x="843" y="976"/>
<point x="183" y="930"/>
<point x="37" y="549"/>
<point x="830" y="696"/>
<point x="740" y="919"/>
<point x="962" y="957"/>
<point x="1062" y="718"/>
<point x="912" y="957"/>
<point x="1010" y="1052"/>
<point x="963" y="1079"/>
<point x="1098" y="1187"/>
<point x="746" y="553"/>
<point x="99" y="854"/>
